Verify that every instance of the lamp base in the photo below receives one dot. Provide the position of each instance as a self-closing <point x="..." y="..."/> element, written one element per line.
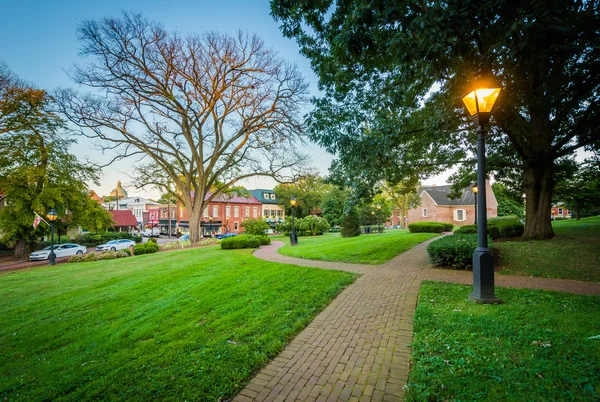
<point x="293" y="238"/>
<point x="483" y="277"/>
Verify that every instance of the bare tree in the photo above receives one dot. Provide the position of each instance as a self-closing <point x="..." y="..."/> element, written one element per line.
<point x="201" y="111"/>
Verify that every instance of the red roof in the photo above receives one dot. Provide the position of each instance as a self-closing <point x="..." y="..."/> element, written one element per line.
<point x="234" y="198"/>
<point x="123" y="218"/>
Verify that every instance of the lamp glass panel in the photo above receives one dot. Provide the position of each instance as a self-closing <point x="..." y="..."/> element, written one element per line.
<point x="486" y="97"/>
<point x="469" y="101"/>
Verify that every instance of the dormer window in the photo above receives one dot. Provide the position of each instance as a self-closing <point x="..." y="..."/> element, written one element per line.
<point x="266" y="196"/>
<point x="272" y="196"/>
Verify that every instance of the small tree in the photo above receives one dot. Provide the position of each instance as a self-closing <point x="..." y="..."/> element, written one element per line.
<point x="256" y="227"/>
<point x="350" y="224"/>
<point x="313" y="224"/>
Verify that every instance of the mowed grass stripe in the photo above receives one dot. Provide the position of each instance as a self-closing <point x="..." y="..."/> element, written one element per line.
<point x="191" y="324"/>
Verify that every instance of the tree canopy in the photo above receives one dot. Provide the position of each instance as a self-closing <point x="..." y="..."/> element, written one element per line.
<point x="394" y="74"/>
<point x="309" y="191"/>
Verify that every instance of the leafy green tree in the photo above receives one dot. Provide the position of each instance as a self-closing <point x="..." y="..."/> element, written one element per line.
<point x="255" y="226"/>
<point x="393" y="73"/>
<point x="351" y="224"/>
<point x="508" y="203"/>
<point x="580" y="192"/>
<point x="334" y="203"/>
<point x="313" y="224"/>
<point x="309" y="192"/>
<point x="370" y="205"/>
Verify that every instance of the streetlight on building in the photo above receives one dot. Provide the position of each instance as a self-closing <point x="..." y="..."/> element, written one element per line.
<point x="293" y="235"/>
<point x="479" y="102"/>
<point x="52" y="216"/>
<point x="378" y="218"/>
<point x="475" y="190"/>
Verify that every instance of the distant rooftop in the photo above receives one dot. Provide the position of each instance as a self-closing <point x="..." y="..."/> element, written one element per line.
<point x="265" y="196"/>
<point x="439" y="194"/>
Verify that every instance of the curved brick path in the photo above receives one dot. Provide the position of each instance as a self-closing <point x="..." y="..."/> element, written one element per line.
<point x="358" y="348"/>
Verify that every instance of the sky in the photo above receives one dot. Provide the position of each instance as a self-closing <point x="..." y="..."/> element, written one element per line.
<point x="38" y="42"/>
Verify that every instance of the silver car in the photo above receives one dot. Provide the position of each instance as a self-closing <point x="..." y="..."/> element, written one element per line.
<point x="61" y="250"/>
<point x="115" y="245"/>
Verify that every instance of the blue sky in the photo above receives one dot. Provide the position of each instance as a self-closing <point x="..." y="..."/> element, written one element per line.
<point x="38" y="41"/>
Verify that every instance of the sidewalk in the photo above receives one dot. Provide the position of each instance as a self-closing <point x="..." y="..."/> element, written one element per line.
<point x="359" y="347"/>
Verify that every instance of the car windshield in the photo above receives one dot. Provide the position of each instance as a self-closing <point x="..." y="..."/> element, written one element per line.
<point x="113" y="242"/>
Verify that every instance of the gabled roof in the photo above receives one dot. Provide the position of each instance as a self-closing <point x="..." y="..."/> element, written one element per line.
<point x="123" y="217"/>
<point x="439" y="194"/>
<point x="258" y="194"/>
<point x="234" y="198"/>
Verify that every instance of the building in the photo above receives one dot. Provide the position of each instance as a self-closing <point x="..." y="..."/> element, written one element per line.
<point x="271" y="211"/>
<point x="137" y="205"/>
<point x="124" y="221"/>
<point x="560" y="212"/>
<point x="436" y="206"/>
<point x="159" y="217"/>
<point x="223" y="214"/>
<point x="92" y="194"/>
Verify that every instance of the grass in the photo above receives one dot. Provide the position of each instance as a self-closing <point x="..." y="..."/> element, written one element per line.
<point x="535" y="346"/>
<point x="183" y="325"/>
<point x="364" y="249"/>
<point x="574" y="253"/>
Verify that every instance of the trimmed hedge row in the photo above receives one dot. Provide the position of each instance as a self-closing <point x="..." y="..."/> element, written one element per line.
<point x="145" y="248"/>
<point x="426" y="227"/>
<point x="454" y="251"/>
<point x="106" y="255"/>
<point x="497" y="229"/>
<point x="244" y="241"/>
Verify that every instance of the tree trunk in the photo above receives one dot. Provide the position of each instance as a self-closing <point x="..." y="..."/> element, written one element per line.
<point x="195" y="223"/>
<point x="20" y="248"/>
<point x="538" y="180"/>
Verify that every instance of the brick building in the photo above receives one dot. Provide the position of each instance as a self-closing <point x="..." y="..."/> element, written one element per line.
<point x="271" y="211"/>
<point x="437" y="207"/>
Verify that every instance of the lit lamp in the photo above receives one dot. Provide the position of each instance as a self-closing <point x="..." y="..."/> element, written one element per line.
<point x="372" y="217"/>
<point x="52" y="216"/>
<point x="378" y="218"/>
<point x="479" y="102"/>
<point x="293" y="235"/>
<point x="475" y="190"/>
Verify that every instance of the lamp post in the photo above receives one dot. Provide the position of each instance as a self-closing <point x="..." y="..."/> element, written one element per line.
<point x="378" y="218"/>
<point x="479" y="102"/>
<point x="210" y="227"/>
<point x="475" y="190"/>
<point x="293" y="235"/>
<point x="52" y="215"/>
<point x="372" y="217"/>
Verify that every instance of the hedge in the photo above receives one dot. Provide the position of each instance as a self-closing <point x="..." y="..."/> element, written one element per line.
<point x="497" y="229"/>
<point x="145" y="248"/>
<point x="455" y="251"/>
<point x="426" y="227"/>
<point x="448" y="227"/>
<point x="106" y="255"/>
<point x="244" y="241"/>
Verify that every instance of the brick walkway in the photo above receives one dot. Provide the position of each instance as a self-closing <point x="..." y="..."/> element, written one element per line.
<point x="358" y="348"/>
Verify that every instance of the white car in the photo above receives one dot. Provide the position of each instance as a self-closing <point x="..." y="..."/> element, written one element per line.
<point x="61" y="250"/>
<point x="115" y="245"/>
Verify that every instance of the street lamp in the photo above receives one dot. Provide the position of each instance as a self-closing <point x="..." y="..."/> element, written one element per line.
<point x="479" y="102"/>
<point x="210" y="227"/>
<point x="475" y="190"/>
<point x="52" y="215"/>
<point x="372" y="217"/>
<point x="293" y="235"/>
<point x="378" y="218"/>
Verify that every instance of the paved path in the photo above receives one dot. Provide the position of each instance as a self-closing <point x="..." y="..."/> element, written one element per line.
<point x="358" y="348"/>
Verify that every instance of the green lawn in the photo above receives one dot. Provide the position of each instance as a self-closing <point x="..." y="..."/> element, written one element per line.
<point x="181" y="325"/>
<point x="536" y="346"/>
<point x="364" y="249"/>
<point x="574" y="253"/>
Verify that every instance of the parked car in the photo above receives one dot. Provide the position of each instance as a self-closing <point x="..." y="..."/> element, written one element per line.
<point x="115" y="245"/>
<point x="225" y="235"/>
<point x="185" y="237"/>
<point x="154" y="232"/>
<point x="61" y="250"/>
<point x="396" y="227"/>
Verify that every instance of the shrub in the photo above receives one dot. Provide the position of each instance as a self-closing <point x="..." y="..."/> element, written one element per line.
<point x="94" y="239"/>
<point x="448" y="227"/>
<point x="89" y="257"/>
<point x="313" y="225"/>
<point x="123" y="253"/>
<point x="151" y="248"/>
<point x="76" y="258"/>
<point x="503" y="218"/>
<point x="244" y="241"/>
<point x="350" y="224"/>
<point x="466" y="229"/>
<point x="256" y="227"/>
<point x="126" y="251"/>
<point x="454" y="251"/>
<point x="426" y="227"/>
<point x="152" y="240"/>
<point x="107" y="255"/>
<point x="139" y="249"/>
<point x="138" y="239"/>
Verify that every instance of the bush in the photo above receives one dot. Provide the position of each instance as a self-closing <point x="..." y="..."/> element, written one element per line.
<point x="244" y="241"/>
<point x="448" y="227"/>
<point x="123" y="253"/>
<point x="503" y="218"/>
<point x="426" y="227"/>
<point x="76" y="258"/>
<point x="350" y="224"/>
<point x="152" y="240"/>
<point x="107" y="255"/>
<point x="139" y="249"/>
<point x="466" y="229"/>
<point x="89" y="257"/>
<point x="257" y="227"/>
<point x="127" y="251"/>
<point x="150" y="247"/>
<point x="455" y="251"/>
<point x="313" y="225"/>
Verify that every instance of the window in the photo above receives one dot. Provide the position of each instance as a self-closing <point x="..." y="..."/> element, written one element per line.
<point x="255" y="212"/>
<point x="272" y="196"/>
<point x="460" y="215"/>
<point x="236" y="212"/>
<point x="266" y="196"/>
<point x="235" y="226"/>
<point x="424" y="211"/>
<point x="215" y="210"/>
<point x="206" y="212"/>
<point x="560" y="211"/>
<point x="279" y="212"/>
<point x="227" y="211"/>
<point x="266" y="213"/>
<point x="247" y="212"/>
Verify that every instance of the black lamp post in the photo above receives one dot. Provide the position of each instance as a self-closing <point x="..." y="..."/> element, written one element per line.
<point x="479" y="102"/>
<point x="210" y="227"/>
<point x="378" y="218"/>
<point x="372" y="217"/>
<point x="293" y="235"/>
<point x="52" y="215"/>
<point x="475" y="190"/>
